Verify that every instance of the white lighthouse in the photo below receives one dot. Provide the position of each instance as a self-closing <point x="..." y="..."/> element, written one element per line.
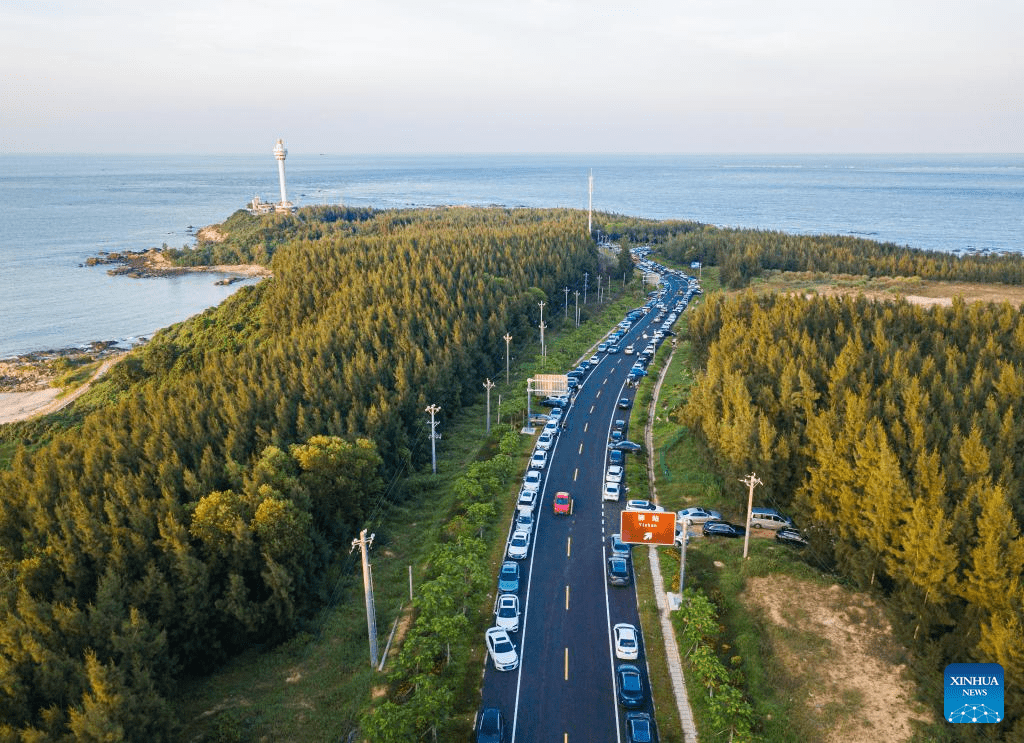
<point x="281" y="153"/>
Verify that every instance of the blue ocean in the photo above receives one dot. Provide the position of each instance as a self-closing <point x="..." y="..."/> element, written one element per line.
<point x="61" y="209"/>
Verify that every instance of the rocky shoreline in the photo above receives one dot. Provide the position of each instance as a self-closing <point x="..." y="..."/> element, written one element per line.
<point x="32" y="372"/>
<point x="153" y="264"/>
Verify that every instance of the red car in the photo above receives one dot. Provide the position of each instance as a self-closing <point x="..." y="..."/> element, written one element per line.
<point x="563" y="502"/>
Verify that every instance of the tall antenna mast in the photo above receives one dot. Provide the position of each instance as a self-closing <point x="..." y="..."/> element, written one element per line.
<point x="590" y="203"/>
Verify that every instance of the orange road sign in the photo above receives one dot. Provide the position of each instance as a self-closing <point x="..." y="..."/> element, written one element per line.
<point x="648" y="527"/>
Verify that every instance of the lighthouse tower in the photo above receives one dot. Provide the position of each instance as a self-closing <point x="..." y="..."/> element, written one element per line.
<point x="281" y="153"/>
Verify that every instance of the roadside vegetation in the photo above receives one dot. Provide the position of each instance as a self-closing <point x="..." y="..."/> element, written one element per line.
<point x="689" y="454"/>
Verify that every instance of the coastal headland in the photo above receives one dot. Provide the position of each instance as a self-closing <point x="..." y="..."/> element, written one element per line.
<point x="152" y="263"/>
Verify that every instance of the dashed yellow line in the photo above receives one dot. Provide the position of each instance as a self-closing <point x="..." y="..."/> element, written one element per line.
<point x="567" y="598"/>
<point x="567" y="664"/>
<point x="568" y="546"/>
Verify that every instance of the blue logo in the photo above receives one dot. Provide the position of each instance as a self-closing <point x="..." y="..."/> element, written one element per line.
<point x="974" y="692"/>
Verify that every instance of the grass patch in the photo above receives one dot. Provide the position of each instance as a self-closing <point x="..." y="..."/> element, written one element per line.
<point x="670" y="727"/>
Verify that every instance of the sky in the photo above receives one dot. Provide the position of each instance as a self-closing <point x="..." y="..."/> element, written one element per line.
<point x="451" y="76"/>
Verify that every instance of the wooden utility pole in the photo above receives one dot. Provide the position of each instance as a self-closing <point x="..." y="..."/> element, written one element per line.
<point x="751" y="481"/>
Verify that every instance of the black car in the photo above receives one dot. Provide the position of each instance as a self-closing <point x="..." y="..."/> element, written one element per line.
<point x="624" y="403"/>
<point x="490" y="726"/>
<point x="640" y="728"/>
<point x="722" y="529"/>
<point x="618" y="571"/>
<point x="791" y="536"/>
<point x="631" y="686"/>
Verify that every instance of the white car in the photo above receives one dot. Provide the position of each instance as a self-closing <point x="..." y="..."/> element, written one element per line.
<point x="506" y="612"/>
<point x="627" y="642"/>
<point x="550" y="427"/>
<point x="614" y="474"/>
<point x="612" y="491"/>
<point x="499" y="646"/>
<point x="519" y="544"/>
<point x="527" y="499"/>
<point x="524" y="521"/>
<point x="643" y="505"/>
<point x="697" y="515"/>
<point x="532" y="481"/>
<point x="545" y="440"/>
<point x="555" y="415"/>
<point x="594" y="359"/>
<point x="540" y="459"/>
<point x="628" y="350"/>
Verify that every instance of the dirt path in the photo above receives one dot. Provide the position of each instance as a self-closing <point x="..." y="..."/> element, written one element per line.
<point x="16" y="406"/>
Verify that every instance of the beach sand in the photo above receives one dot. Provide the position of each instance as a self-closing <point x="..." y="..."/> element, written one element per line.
<point x="16" y="406"/>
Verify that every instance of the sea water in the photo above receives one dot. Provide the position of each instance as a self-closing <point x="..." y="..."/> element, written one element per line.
<point x="59" y="210"/>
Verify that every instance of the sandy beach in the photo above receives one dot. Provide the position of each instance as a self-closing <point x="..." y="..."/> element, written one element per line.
<point x="25" y="384"/>
<point x="16" y="406"/>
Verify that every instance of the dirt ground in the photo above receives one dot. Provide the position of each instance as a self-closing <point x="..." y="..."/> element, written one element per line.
<point x="839" y="650"/>
<point x="913" y="289"/>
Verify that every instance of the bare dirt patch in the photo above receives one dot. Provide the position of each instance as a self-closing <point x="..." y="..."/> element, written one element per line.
<point x="913" y="289"/>
<point x="838" y="649"/>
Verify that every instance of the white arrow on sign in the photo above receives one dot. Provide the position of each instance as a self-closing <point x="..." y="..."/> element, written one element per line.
<point x="648" y="536"/>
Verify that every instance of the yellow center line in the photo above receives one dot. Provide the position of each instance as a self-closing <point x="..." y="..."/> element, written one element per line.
<point x="567" y="598"/>
<point x="567" y="664"/>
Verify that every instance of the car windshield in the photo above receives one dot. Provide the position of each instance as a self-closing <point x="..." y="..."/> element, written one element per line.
<point x="503" y="646"/>
<point x="509" y="572"/>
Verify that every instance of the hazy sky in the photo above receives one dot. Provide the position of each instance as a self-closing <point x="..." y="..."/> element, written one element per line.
<point x="343" y="76"/>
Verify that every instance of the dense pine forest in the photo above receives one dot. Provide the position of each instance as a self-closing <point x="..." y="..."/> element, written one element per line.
<point x="893" y="434"/>
<point x="199" y="511"/>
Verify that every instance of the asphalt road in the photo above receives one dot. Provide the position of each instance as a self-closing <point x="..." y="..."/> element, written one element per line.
<point x="564" y="688"/>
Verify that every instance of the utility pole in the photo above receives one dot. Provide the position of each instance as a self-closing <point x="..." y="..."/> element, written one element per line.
<point x="543" y="351"/>
<point x="508" y="339"/>
<point x="586" y="276"/>
<point x="371" y="619"/>
<point x="488" y="385"/>
<point x="577" y="308"/>
<point x="751" y="481"/>
<point x="599" y="300"/>
<point x="541" y="304"/>
<point x="566" y="303"/>
<point x="433" y="409"/>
